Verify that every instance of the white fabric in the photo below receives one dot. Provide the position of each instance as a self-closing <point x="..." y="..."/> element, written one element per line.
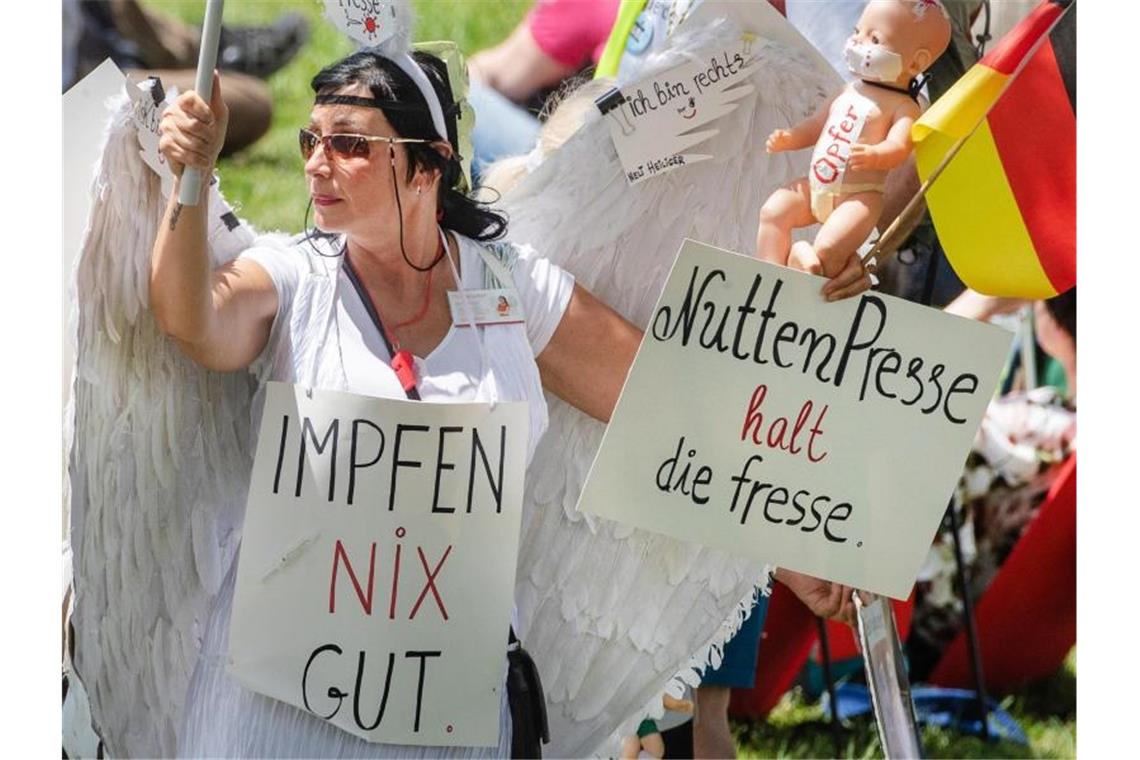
<point x="617" y="615"/>
<point x="311" y="341"/>
<point x="827" y="24"/>
<point x="845" y="122"/>
<point x="449" y="372"/>
<point x="224" y="719"/>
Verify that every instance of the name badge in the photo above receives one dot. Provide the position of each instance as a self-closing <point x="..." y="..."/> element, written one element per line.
<point x="489" y="307"/>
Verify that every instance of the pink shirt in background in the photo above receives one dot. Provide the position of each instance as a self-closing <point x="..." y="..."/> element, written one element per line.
<point x="572" y="32"/>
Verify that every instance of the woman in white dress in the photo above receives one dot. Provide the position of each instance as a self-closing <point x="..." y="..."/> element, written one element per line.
<point x="363" y="307"/>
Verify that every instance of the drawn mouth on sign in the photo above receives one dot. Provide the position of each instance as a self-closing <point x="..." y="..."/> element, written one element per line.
<point x="692" y="104"/>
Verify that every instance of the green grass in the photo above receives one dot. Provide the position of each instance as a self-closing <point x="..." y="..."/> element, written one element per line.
<point x="798" y="728"/>
<point x="266" y="185"/>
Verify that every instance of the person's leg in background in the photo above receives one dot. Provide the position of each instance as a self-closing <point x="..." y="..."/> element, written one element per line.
<point x="164" y="42"/>
<point x="712" y="737"/>
<point x="502" y="128"/>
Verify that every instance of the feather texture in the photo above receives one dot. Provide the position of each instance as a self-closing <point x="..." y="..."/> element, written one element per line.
<point x="616" y="616"/>
<point x="159" y="465"/>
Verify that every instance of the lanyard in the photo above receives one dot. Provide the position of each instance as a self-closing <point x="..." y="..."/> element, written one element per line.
<point x="402" y="362"/>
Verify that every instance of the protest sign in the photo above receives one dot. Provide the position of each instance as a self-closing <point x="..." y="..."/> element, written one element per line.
<point x="822" y="437"/>
<point x="148" y="101"/>
<point x="654" y="120"/>
<point x="377" y="564"/>
<point x="369" y="22"/>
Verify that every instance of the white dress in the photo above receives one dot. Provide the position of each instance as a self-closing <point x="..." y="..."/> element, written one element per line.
<point x="323" y="337"/>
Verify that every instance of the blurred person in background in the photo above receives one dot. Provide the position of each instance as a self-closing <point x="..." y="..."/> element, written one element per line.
<point x="146" y="42"/>
<point x="1024" y="438"/>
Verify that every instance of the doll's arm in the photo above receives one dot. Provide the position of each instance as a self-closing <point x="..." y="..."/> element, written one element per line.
<point x="891" y="152"/>
<point x="802" y="135"/>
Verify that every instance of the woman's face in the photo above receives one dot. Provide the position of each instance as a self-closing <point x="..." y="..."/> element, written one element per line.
<point x="355" y="194"/>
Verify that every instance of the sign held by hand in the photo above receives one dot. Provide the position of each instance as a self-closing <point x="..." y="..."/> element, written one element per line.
<point x="821" y="437"/>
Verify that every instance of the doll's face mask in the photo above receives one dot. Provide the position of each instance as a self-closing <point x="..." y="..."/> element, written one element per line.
<point x="872" y="62"/>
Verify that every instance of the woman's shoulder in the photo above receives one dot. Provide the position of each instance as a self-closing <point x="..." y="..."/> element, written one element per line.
<point x="302" y="251"/>
<point x="497" y="258"/>
<point x="507" y="252"/>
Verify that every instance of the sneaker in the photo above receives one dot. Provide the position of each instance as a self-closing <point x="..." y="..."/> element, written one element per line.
<point x="262" y="50"/>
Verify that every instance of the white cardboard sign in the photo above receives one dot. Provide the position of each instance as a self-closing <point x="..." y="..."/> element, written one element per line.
<point x="147" y="114"/>
<point x="658" y="117"/>
<point x="369" y="22"/>
<point x="377" y="564"/>
<point x="822" y="437"/>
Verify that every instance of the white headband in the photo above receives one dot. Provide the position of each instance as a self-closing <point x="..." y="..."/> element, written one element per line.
<point x="412" y="69"/>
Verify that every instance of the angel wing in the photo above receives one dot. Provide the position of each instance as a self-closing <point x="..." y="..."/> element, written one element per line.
<point x="613" y="615"/>
<point x="159" y="464"/>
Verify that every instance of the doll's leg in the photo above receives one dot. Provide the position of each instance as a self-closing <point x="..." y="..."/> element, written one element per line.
<point x="846" y="229"/>
<point x="787" y="208"/>
<point x="802" y="258"/>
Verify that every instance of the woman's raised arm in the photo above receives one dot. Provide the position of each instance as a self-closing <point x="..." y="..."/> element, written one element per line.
<point x="219" y="317"/>
<point x="588" y="357"/>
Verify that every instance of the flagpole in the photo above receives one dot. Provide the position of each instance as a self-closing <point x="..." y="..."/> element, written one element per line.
<point x="911" y="207"/>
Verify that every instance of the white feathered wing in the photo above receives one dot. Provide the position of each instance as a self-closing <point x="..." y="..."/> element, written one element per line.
<point x="614" y="615"/>
<point x="159" y="465"/>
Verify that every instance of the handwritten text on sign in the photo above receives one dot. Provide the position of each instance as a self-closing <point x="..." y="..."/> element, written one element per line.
<point x="655" y="122"/>
<point x="825" y="438"/>
<point x="377" y="563"/>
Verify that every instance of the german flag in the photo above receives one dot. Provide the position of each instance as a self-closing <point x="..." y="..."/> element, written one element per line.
<point x="1005" y="205"/>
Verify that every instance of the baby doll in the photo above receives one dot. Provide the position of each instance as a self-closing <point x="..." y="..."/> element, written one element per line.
<point x="859" y="136"/>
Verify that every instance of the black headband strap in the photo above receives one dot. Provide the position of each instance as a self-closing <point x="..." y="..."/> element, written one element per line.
<point x="353" y="100"/>
<point x="395" y="105"/>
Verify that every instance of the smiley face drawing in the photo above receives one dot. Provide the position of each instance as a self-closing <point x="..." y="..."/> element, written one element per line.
<point x="689" y="110"/>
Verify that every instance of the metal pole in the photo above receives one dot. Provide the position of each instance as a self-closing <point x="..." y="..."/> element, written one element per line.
<point x="971" y="629"/>
<point x="203" y="85"/>
<point x="825" y="651"/>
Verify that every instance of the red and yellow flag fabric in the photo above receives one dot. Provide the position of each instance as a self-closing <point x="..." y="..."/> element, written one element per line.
<point x="1005" y="205"/>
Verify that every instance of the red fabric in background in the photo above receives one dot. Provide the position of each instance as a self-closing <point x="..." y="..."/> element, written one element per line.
<point x="841" y="637"/>
<point x="1027" y="618"/>
<point x="789" y="632"/>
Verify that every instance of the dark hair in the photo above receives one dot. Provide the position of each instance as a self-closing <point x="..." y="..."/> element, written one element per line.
<point x="388" y="82"/>
<point x="1063" y="309"/>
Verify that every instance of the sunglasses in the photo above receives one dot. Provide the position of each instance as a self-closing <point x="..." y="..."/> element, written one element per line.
<point x="345" y="145"/>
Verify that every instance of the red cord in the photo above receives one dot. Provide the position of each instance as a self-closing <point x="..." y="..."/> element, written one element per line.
<point x="423" y="309"/>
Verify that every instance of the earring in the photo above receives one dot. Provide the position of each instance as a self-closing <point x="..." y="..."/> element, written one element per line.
<point x="419" y="189"/>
